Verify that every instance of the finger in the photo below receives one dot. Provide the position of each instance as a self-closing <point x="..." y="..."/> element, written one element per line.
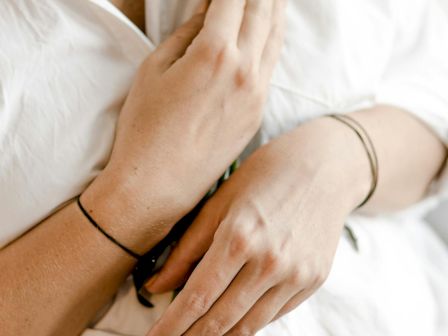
<point x="202" y="7"/>
<point x="189" y="250"/>
<point x="245" y="290"/>
<point x="223" y="20"/>
<point x="255" y="27"/>
<point x="263" y="312"/>
<point x="275" y="41"/>
<point x="209" y="280"/>
<point x="176" y="45"/>
<point x="293" y="303"/>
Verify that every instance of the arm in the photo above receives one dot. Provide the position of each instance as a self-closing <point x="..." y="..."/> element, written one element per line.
<point x="55" y="278"/>
<point x="65" y="264"/>
<point x="276" y="223"/>
<point x="410" y="156"/>
<point x="274" y="226"/>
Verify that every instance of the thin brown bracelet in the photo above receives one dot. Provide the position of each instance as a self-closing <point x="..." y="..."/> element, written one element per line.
<point x="108" y="236"/>
<point x="369" y="148"/>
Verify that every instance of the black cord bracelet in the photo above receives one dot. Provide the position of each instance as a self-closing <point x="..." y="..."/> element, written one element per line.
<point x="108" y="236"/>
<point x="369" y="148"/>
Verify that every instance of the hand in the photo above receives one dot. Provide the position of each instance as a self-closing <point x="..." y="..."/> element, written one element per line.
<point x="195" y="104"/>
<point x="266" y="240"/>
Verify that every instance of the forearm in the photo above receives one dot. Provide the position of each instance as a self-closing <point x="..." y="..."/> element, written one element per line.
<point x="55" y="278"/>
<point x="410" y="156"/>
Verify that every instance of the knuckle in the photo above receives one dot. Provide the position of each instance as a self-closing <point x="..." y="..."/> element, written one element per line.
<point x="307" y="276"/>
<point x="198" y="304"/>
<point x="298" y="278"/>
<point x="240" y="244"/>
<point x="246" y="78"/>
<point x="273" y="263"/>
<point x="295" y="280"/>
<point x="213" y="327"/>
<point x="216" y="52"/>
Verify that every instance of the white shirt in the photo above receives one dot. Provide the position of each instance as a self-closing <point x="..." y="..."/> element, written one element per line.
<point x="65" y="69"/>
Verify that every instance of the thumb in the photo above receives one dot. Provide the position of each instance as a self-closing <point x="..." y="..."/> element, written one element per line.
<point x="175" y="46"/>
<point x="184" y="257"/>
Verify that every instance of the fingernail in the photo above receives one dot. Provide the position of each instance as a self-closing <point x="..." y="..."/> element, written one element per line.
<point x="150" y="284"/>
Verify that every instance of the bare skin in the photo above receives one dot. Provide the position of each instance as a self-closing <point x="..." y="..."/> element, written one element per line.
<point x="67" y="265"/>
<point x="133" y="9"/>
<point x="141" y="193"/>
<point x="266" y="241"/>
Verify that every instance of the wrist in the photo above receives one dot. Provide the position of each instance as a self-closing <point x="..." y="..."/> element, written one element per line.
<point x="138" y="220"/>
<point x="337" y="159"/>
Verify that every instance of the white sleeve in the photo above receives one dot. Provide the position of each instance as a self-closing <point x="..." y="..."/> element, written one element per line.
<point x="417" y="77"/>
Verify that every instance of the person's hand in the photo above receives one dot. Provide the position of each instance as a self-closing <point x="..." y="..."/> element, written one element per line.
<point x="195" y="104"/>
<point x="266" y="240"/>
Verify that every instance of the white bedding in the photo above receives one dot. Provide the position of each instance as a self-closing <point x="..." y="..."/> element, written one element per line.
<point x="65" y="68"/>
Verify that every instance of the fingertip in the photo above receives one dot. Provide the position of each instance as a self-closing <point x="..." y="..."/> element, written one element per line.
<point x="159" y="284"/>
<point x="168" y="279"/>
<point x="176" y="45"/>
<point x="152" y="285"/>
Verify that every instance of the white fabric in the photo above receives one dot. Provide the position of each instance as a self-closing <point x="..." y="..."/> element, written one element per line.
<point x="63" y="78"/>
<point x="65" y="68"/>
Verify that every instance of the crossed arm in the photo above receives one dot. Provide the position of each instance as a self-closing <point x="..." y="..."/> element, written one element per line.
<point x="67" y="264"/>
